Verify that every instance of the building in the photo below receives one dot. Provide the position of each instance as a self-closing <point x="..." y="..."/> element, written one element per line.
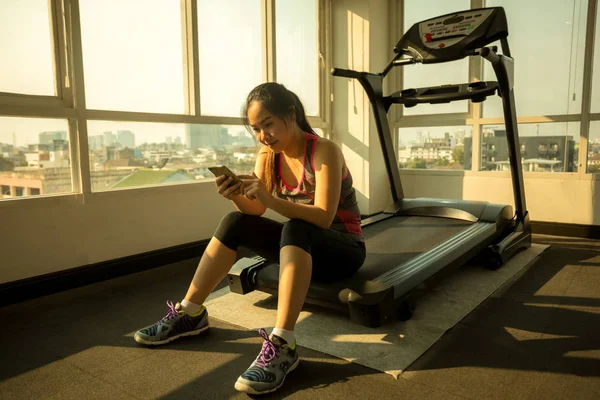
<point x="31" y="181"/>
<point x="48" y="137"/>
<point x="126" y="139"/>
<point x="207" y="136"/>
<point x="538" y="153"/>
<point x="96" y="142"/>
<point x="430" y="149"/>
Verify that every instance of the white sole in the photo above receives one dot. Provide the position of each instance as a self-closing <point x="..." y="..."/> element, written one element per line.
<point x="157" y="343"/>
<point x="243" y="385"/>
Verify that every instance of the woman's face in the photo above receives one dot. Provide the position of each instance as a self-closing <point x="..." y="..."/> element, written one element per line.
<point x="270" y="130"/>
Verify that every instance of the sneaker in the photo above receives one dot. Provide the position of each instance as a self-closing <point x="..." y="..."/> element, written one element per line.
<point x="268" y="371"/>
<point x="175" y="324"/>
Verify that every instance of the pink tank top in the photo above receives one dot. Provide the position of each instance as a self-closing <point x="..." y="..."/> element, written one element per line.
<point x="347" y="216"/>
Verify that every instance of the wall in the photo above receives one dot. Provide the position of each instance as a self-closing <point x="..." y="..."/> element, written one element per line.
<point x="360" y="42"/>
<point x="550" y="197"/>
<point x="49" y="234"/>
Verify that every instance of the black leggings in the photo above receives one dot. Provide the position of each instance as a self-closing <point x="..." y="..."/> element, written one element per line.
<point x="335" y="255"/>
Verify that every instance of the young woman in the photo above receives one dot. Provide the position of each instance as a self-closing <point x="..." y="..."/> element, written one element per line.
<point x="304" y="178"/>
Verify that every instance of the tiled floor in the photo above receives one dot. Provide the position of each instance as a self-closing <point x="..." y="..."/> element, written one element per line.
<point x="538" y="340"/>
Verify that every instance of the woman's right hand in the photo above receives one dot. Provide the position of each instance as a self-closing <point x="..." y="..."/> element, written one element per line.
<point x="225" y="190"/>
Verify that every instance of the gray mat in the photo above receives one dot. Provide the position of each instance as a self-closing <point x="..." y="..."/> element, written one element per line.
<point x="393" y="347"/>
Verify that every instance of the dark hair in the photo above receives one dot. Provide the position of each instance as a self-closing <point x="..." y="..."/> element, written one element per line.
<point x="282" y="103"/>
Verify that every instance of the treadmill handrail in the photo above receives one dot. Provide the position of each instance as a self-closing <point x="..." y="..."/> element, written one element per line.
<point x="475" y="91"/>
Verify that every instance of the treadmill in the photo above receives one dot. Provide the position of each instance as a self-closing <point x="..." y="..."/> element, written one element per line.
<point x="415" y="241"/>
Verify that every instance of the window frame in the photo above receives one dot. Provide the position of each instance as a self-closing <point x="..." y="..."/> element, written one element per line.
<point x="69" y="102"/>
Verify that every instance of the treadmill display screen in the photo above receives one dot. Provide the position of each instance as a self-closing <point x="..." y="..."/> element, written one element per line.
<point x="446" y="31"/>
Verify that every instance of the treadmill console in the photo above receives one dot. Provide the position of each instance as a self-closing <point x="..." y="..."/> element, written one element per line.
<point x="453" y="36"/>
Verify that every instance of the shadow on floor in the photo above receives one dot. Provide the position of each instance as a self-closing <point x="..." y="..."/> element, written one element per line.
<point x="547" y="321"/>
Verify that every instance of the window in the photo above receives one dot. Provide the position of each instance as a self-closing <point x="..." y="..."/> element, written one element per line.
<point x="547" y="147"/>
<point x="547" y="44"/>
<point x="230" y="45"/>
<point x="133" y="55"/>
<point x="26" y="41"/>
<point x="593" y="162"/>
<point x="34" y="157"/>
<point x="135" y="154"/>
<point x="595" y="106"/>
<point x="447" y="147"/>
<point x="419" y="75"/>
<point x="297" y="51"/>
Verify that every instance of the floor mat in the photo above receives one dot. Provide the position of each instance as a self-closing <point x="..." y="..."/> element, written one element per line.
<point x="390" y="348"/>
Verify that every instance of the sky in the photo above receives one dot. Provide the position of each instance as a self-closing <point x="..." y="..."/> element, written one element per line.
<point x="133" y="60"/>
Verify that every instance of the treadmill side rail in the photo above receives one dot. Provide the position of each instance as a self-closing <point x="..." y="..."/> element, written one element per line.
<point x="409" y="275"/>
<point x="372" y="306"/>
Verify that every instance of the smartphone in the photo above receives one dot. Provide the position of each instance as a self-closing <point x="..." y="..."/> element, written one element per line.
<point x="223" y="170"/>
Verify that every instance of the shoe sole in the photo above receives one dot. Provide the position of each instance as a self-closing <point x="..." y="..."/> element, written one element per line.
<point x="245" y="387"/>
<point x="159" y="342"/>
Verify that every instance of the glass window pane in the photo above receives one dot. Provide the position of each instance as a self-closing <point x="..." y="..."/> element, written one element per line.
<point x="136" y="154"/>
<point x="595" y="106"/>
<point x="548" y="66"/>
<point x="297" y="51"/>
<point x="27" y="64"/>
<point x="445" y="147"/>
<point x="34" y="157"/>
<point x="419" y="75"/>
<point x="230" y="43"/>
<point x="593" y="162"/>
<point x="132" y="55"/>
<point x="547" y="147"/>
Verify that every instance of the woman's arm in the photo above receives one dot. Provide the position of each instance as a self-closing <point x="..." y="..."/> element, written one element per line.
<point x="328" y="162"/>
<point x="244" y="204"/>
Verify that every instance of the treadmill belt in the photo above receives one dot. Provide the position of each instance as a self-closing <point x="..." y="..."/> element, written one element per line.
<point x="389" y="243"/>
<point x="396" y="240"/>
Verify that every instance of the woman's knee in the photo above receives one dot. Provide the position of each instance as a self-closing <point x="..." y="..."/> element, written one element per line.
<point x="229" y="230"/>
<point x="297" y="232"/>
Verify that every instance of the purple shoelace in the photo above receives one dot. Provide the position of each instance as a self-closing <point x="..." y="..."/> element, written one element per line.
<point x="269" y="350"/>
<point x="171" y="313"/>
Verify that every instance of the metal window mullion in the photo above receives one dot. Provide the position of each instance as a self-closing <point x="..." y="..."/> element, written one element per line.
<point x="534" y="119"/>
<point x="191" y="56"/>
<point x="476" y="109"/>
<point x="78" y="135"/>
<point x="326" y="35"/>
<point x="586" y="99"/>
<point x="55" y="19"/>
<point x="33" y="111"/>
<point x="268" y="40"/>
<point x="399" y="74"/>
<point x="160" y="118"/>
<point x="187" y="63"/>
<point x="195" y="43"/>
<point x="434" y="120"/>
<point x="394" y="82"/>
<point x="322" y="59"/>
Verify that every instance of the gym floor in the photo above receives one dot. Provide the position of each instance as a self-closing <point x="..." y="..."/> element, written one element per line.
<point x="537" y="340"/>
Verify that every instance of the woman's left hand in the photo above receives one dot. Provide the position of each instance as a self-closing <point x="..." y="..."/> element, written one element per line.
<point x="255" y="189"/>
